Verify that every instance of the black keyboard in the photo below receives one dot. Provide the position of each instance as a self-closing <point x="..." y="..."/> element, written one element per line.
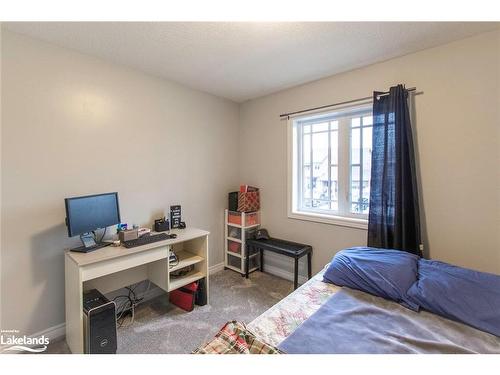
<point x="144" y="240"/>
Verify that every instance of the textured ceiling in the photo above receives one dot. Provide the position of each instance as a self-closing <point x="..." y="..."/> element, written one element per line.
<point x="241" y="61"/>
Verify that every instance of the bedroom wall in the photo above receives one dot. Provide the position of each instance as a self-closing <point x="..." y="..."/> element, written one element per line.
<point x="457" y="126"/>
<point x="75" y="125"/>
<point x="0" y="176"/>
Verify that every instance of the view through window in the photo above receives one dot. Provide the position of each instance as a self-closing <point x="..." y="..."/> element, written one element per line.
<point x="332" y="162"/>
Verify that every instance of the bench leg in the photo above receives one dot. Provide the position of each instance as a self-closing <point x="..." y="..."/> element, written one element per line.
<point x="261" y="264"/>
<point x="309" y="267"/>
<point x="296" y="274"/>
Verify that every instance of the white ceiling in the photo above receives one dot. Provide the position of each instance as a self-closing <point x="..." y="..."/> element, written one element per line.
<point x="241" y="61"/>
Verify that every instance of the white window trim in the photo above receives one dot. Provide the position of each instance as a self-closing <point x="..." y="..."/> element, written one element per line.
<point x="344" y="221"/>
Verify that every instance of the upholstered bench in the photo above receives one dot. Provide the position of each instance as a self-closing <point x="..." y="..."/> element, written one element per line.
<point x="290" y="249"/>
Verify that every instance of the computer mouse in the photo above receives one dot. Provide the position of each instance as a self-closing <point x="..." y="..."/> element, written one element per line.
<point x="173" y="235"/>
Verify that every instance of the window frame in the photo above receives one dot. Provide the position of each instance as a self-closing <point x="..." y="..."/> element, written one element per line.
<point x="346" y="218"/>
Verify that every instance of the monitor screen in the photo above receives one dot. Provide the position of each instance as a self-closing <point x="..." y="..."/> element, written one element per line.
<point x="86" y="214"/>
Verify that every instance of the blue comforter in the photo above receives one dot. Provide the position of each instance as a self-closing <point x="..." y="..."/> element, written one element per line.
<point x="457" y="293"/>
<point x="356" y="322"/>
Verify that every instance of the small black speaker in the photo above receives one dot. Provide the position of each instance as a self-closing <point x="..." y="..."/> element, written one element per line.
<point x="162" y="225"/>
<point x="99" y="323"/>
<point x="201" y="293"/>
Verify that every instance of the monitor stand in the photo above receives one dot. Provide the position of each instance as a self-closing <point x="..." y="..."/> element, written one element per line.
<point x="89" y="244"/>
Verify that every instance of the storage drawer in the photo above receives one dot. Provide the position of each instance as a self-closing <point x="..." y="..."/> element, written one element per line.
<point x="251" y="218"/>
<point x="234" y="217"/>
<point x="233" y="247"/>
<point x="234" y="232"/>
<point x="254" y="262"/>
<point x="233" y="261"/>
<point x="252" y="250"/>
<point x="250" y="233"/>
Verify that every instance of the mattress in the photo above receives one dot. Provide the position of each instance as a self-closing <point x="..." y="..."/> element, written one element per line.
<point x="277" y="323"/>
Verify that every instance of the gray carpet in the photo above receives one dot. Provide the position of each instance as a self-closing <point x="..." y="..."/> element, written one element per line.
<point x="163" y="328"/>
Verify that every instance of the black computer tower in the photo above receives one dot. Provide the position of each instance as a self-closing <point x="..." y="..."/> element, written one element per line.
<point x="99" y="323"/>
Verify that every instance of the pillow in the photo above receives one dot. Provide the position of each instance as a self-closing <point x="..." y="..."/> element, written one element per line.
<point x="457" y="293"/>
<point x="382" y="272"/>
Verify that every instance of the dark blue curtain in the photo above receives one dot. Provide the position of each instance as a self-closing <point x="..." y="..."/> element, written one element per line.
<point x="394" y="219"/>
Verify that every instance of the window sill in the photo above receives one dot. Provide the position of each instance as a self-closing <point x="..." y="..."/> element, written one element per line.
<point x="350" y="222"/>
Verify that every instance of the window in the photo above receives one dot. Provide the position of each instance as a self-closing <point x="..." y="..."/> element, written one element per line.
<point x="330" y="166"/>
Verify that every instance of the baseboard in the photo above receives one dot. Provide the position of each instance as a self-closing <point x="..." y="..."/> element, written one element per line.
<point x="215" y="268"/>
<point x="283" y="273"/>
<point x="53" y="333"/>
<point x="276" y="269"/>
<point x="283" y="267"/>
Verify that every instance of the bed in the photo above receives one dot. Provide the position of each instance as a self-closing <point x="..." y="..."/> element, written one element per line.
<point x="287" y="325"/>
<point x="322" y="317"/>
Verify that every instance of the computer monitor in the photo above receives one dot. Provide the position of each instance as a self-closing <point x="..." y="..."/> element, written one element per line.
<point x="86" y="214"/>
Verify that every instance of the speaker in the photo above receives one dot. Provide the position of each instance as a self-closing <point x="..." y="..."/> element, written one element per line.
<point x="201" y="293"/>
<point x="99" y="323"/>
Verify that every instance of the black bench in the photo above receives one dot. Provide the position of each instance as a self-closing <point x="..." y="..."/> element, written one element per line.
<point x="290" y="249"/>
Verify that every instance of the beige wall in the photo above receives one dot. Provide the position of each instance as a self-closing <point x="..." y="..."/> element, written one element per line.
<point x="74" y="125"/>
<point x="0" y="177"/>
<point x="457" y="125"/>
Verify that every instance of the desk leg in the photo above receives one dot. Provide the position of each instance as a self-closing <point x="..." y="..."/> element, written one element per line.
<point x="309" y="267"/>
<point x="74" y="306"/>
<point x="296" y="274"/>
<point x="207" y="270"/>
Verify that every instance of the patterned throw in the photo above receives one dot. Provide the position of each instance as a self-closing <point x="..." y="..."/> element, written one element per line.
<point x="235" y="338"/>
<point x="277" y="323"/>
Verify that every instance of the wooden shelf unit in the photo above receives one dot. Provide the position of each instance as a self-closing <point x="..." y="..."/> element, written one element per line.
<point x="235" y="236"/>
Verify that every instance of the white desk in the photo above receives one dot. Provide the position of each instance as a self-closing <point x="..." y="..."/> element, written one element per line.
<point x="112" y="268"/>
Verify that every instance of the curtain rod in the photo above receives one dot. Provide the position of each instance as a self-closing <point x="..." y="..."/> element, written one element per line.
<point x="336" y="104"/>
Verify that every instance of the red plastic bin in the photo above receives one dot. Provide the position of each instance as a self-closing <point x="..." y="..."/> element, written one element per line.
<point x="184" y="297"/>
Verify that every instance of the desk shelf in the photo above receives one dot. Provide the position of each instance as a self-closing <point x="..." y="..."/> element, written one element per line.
<point x="186" y="258"/>
<point x="179" y="282"/>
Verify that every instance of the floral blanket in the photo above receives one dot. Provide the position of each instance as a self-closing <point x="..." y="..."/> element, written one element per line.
<point x="269" y="329"/>
<point x="277" y="323"/>
<point x="235" y="338"/>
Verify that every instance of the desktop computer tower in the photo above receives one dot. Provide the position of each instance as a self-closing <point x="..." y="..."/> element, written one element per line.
<point x="99" y="323"/>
